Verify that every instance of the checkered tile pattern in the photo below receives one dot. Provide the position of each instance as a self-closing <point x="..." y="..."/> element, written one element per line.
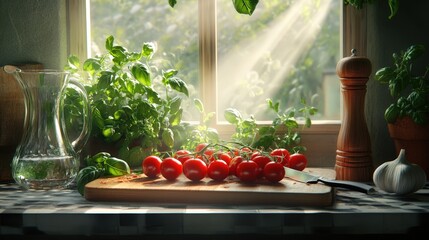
<point x="47" y="211"/>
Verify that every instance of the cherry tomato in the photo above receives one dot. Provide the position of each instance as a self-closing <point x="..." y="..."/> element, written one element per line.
<point x="236" y="152"/>
<point x="247" y="171"/>
<point x="261" y="160"/>
<point x="233" y="164"/>
<point x="225" y="157"/>
<point x="282" y="155"/>
<point x="218" y="170"/>
<point x="297" y="161"/>
<point x="195" y="169"/>
<point x="182" y="155"/>
<point x="221" y="156"/>
<point x="255" y="154"/>
<point x="171" y="168"/>
<point x="208" y="152"/>
<point x="274" y="171"/>
<point x="151" y="166"/>
<point x="200" y="147"/>
<point x="245" y="152"/>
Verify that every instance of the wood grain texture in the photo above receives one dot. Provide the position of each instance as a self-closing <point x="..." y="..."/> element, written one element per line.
<point x="353" y="159"/>
<point x="138" y="188"/>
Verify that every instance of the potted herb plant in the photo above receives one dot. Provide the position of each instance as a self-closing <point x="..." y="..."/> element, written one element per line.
<point x="136" y="106"/>
<point x="408" y="115"/>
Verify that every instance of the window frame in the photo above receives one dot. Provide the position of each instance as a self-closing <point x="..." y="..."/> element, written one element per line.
<point x="320" y="139"/>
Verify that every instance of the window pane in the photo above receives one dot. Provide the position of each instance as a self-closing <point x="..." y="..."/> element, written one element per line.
<point x="175" y="31"/>
<point x="287" y="51"/>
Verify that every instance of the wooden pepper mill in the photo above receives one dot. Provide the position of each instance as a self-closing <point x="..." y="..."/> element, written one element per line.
<point x="353" y="159"/>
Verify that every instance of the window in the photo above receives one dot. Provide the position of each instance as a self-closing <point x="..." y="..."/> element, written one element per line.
<point x="284" y="51"/>
<point x="276" y="33"/>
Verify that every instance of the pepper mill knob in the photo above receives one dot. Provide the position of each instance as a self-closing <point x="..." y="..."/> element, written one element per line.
<point x="353" y="155"/>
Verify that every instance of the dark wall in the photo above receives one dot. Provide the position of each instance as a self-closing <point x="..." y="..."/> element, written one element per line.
<point x="384" y="37"/>
<point x="33" y="31"/>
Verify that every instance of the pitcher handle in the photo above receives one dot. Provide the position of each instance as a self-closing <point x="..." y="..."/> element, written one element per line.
<point x="84" y="135"/>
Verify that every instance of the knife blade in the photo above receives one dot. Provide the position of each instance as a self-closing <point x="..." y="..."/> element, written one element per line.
<point x="305" y="177"/>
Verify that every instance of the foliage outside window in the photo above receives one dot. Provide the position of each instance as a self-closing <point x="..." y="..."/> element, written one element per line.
<point x="298" y="75"/>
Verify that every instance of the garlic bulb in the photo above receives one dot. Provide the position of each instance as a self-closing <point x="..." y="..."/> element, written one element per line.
<point x="399" y="176"/>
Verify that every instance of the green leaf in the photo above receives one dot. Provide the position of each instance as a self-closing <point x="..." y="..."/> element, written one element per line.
<point x="119" y="53"/>
<point x="109" y="43"/>
<point x="104" y="80"/>
<point x="312" y="110"/>
<point x="128" y="110"/>
<point x="175" y="104"/>
<point x="98" y="160"/>
<point x="291" y="124"/>
<point x="141" y="73"/>
<point x="414" y="51"/>
<point x="199" y="105"/>
<point x="73" y="63"/>
<point x="120" y="114"/>
<point x="308" y="122"/>
<point x="130" y="86"/>
<point x="116" y="167"/>
<point x="212" y="135"/>
<point x="176" y="118"/>
<point x="267" y="130"/>
<point x="172" y="3"/>
<point x="245" y="6"/>
<point x="153" y="96"/>
<point x="265" y="142"/>
<point x="100" y="157"/>
<point x="134" y="56"/>
<point x="178" y="85"/>
<point x="249" y="124"/>
<point x="232" y="115"/>
<point x="394" y="6"/>
<point x="391" y="113"/>
<point x="273" y="106"/>
<point x="91" y="65"/>
<point x="168" y="137"/>
<point x="97" y="118"/>
<point x="148" y="49"/>
<point x="108" y="131"/>
<point x="169" y="73"/>
<point x="86" y="175"/>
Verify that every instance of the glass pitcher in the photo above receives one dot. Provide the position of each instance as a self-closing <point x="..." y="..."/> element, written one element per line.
<point x="46" y="158"/>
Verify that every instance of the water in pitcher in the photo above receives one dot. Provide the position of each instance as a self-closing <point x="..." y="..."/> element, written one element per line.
<point x="46" y="157"/>
<point x="45" y="172"/>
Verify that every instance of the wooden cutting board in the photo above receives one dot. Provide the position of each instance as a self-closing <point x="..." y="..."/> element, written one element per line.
<point x="139" y="188"/>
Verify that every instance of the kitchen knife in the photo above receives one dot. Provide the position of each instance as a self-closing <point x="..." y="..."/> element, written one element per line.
<point x="306" y="177"/>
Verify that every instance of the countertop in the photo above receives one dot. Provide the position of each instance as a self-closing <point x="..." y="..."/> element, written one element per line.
<point x="65" y="212"/>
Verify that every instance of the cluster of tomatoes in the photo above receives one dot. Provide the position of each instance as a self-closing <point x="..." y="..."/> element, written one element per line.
<point x="245" y="164"/>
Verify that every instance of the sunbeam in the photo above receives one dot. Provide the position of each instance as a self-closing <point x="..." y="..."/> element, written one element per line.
<point x="255" y="70"/>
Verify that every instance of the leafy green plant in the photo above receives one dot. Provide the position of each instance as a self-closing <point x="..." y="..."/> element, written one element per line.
<point x="135" y="106"/>
<point x="270" y="136"/>
<point x="202" y="132"/>
<point x="409" y="90"/>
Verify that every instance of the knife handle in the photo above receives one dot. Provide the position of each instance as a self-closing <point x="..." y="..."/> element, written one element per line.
<point x="361" y="187"/>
